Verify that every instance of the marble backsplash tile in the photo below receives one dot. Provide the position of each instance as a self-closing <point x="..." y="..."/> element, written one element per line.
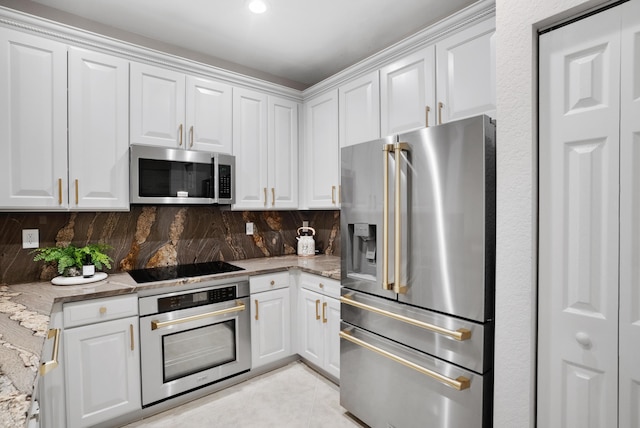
<point x="150" y="236"/>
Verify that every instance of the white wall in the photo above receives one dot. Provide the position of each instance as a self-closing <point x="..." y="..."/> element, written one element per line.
<point x="517" y="22"/>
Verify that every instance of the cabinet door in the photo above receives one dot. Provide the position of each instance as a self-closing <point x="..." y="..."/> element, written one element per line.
<point x="250" y="148"/>
<point x="208" y="120"/>
<point x="271" y="329"/>
<point x="321" y="168"/>
<point x="466" y="73"/>
<point x="579" y="193"/>
<point x="98" y="131"/>
<point x="157" y="106"/>
<point x="33" y="122"/>
<point x="331" y="322"/>
<point x="407" y="93"/>
<point x="105" y="380"/>
<point x="359" y="108"/>
<point x="311" y="329"/>
<point x="283" y="153"/>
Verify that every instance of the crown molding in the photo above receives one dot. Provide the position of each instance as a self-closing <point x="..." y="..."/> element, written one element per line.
<point x="479" y="11"/>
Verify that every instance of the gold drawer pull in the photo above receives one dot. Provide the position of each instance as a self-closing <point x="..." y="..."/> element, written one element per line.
<point x="103" y="310"/>
<point x="459" y="384"/>
<point x="47" y="366"/>
<point x="459" y="334"/>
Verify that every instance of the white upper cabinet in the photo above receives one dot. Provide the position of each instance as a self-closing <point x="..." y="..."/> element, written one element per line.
<point x="208" y="115"/>
<point x="98" y="131"/>
<point x="157" y="106"/>
<point x="33" y="122"/>
<point x="283" y="153"/>
<point x="359" y="108"/>
<point x="466" y="76"/>
<point x="321" y="166"/>
<point x="407" y="93"/>
<point x="265" y="141"/>
<point x="250" y="148"/>
<point x="170" y="109"/>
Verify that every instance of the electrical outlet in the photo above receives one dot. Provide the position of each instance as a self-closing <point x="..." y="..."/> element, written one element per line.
<point x="249" y="227"/>
<point x="30" y="238"/>
<point x="305" y="223"/>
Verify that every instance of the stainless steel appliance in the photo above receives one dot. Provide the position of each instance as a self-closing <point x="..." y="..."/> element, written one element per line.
<point x="418" y="227"/>
<point x="159" y="175"/>
<point x="192" y="338"/>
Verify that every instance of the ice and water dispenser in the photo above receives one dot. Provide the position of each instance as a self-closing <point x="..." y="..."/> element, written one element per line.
<point x="362" y="240"/>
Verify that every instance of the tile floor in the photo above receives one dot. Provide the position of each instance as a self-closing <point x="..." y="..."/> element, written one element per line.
<point x="293" y="396"/>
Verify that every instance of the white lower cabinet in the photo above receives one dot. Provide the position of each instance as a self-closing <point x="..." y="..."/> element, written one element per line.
<point x="102" y="359"/>
<point x="319" y="320"/>
<point x="50" y="393"/>
<point x="270" y="318"/>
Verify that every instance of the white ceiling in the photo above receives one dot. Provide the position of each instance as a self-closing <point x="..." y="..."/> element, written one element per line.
<point x="298" y="41"/>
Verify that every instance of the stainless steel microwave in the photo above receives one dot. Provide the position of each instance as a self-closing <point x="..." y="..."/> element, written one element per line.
<point x="160" y="175"/>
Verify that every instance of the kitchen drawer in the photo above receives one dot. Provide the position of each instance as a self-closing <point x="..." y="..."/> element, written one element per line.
<point x="320" y="284"/>
<point x="98" y="310"/>
<point x="270" y="281"/>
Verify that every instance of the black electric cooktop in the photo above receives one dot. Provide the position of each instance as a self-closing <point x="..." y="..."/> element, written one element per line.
<point x="181" y="271"/>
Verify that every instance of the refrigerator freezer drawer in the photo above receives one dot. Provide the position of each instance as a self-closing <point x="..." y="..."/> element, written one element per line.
<point x="390" y="385"/>
<point x="465" y="343"/>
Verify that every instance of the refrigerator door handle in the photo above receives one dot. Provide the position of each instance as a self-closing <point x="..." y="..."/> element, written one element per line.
<point x="396" y="285"/>
<point x="460" y="383"/>
<point x="459" y="334"/>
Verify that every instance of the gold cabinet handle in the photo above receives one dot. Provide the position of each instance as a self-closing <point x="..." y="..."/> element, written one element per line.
<point x="440" y="107"/>
<point x="132" y="338"/>
<point x="265" y="196"/>
<point x="333" y="195"/>
<point x="103" y="310"/>
<point x="77" y="191"/>
<point x="317" y="309"/>
<point x="180" y="132"/>
<point x="324" y="313"/>
<point x="427" y="110"/>
<point x="47" y="366"/>
<point x="272" y="283"/>
<point x="155" y="324"/>
<point x="273" y="196"/>
<point x="460" y="383"/>
<point x="257" y="310"/>
<point x="191" y="136"/>
<point x="59" y="191"/>
<point x="321" y="285"/>
<point x="459" y="334"/>
<point x="339" y="194"/>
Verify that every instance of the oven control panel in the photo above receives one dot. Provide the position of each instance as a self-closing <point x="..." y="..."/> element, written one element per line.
<point x="198" y="298"/>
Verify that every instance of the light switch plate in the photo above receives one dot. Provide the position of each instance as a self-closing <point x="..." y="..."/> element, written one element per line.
<point x="249" y="228"/>
<point x="30" y="238"/>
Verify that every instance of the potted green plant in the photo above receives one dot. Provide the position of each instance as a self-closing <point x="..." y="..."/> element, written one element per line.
<point x="71" y="258"/>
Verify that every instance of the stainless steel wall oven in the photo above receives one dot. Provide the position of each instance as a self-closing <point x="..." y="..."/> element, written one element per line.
<point x="190" y="339"/>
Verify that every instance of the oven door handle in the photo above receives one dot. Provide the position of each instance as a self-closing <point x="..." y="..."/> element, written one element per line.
<point x="155" y="324"/>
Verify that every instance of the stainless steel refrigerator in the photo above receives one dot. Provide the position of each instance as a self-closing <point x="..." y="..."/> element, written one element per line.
<point x="418" y="233"/>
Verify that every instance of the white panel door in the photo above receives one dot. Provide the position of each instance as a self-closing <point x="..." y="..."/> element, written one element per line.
<point x="250" y="148"/>
<point x="283" y="153"/>
<point x="331" y="322"/>
<point x="103" y="376"/>
<point x="310" y="326"/>
<point x="359" y="108"/>
<point x="208" y="115"/>
<point x="630" y="217"/>
<point x="157" y="106"/>
<point x="408" y="93"/>
<point x="578" y="235"/>
<point x="321" y="167"/>
<point x="98" y="131"/>
<point x="33" y="122"/>
<point x="271" y="327"/>
<point x="466" y="73"/>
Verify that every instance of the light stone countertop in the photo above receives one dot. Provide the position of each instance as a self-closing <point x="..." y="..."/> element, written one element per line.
<point x="25" y="311"/>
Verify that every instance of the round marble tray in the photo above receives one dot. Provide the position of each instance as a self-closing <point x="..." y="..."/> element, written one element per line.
<point x="78" y="280"/>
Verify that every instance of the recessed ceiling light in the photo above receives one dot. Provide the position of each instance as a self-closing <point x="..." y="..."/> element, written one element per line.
<point x="257" y="6"/>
